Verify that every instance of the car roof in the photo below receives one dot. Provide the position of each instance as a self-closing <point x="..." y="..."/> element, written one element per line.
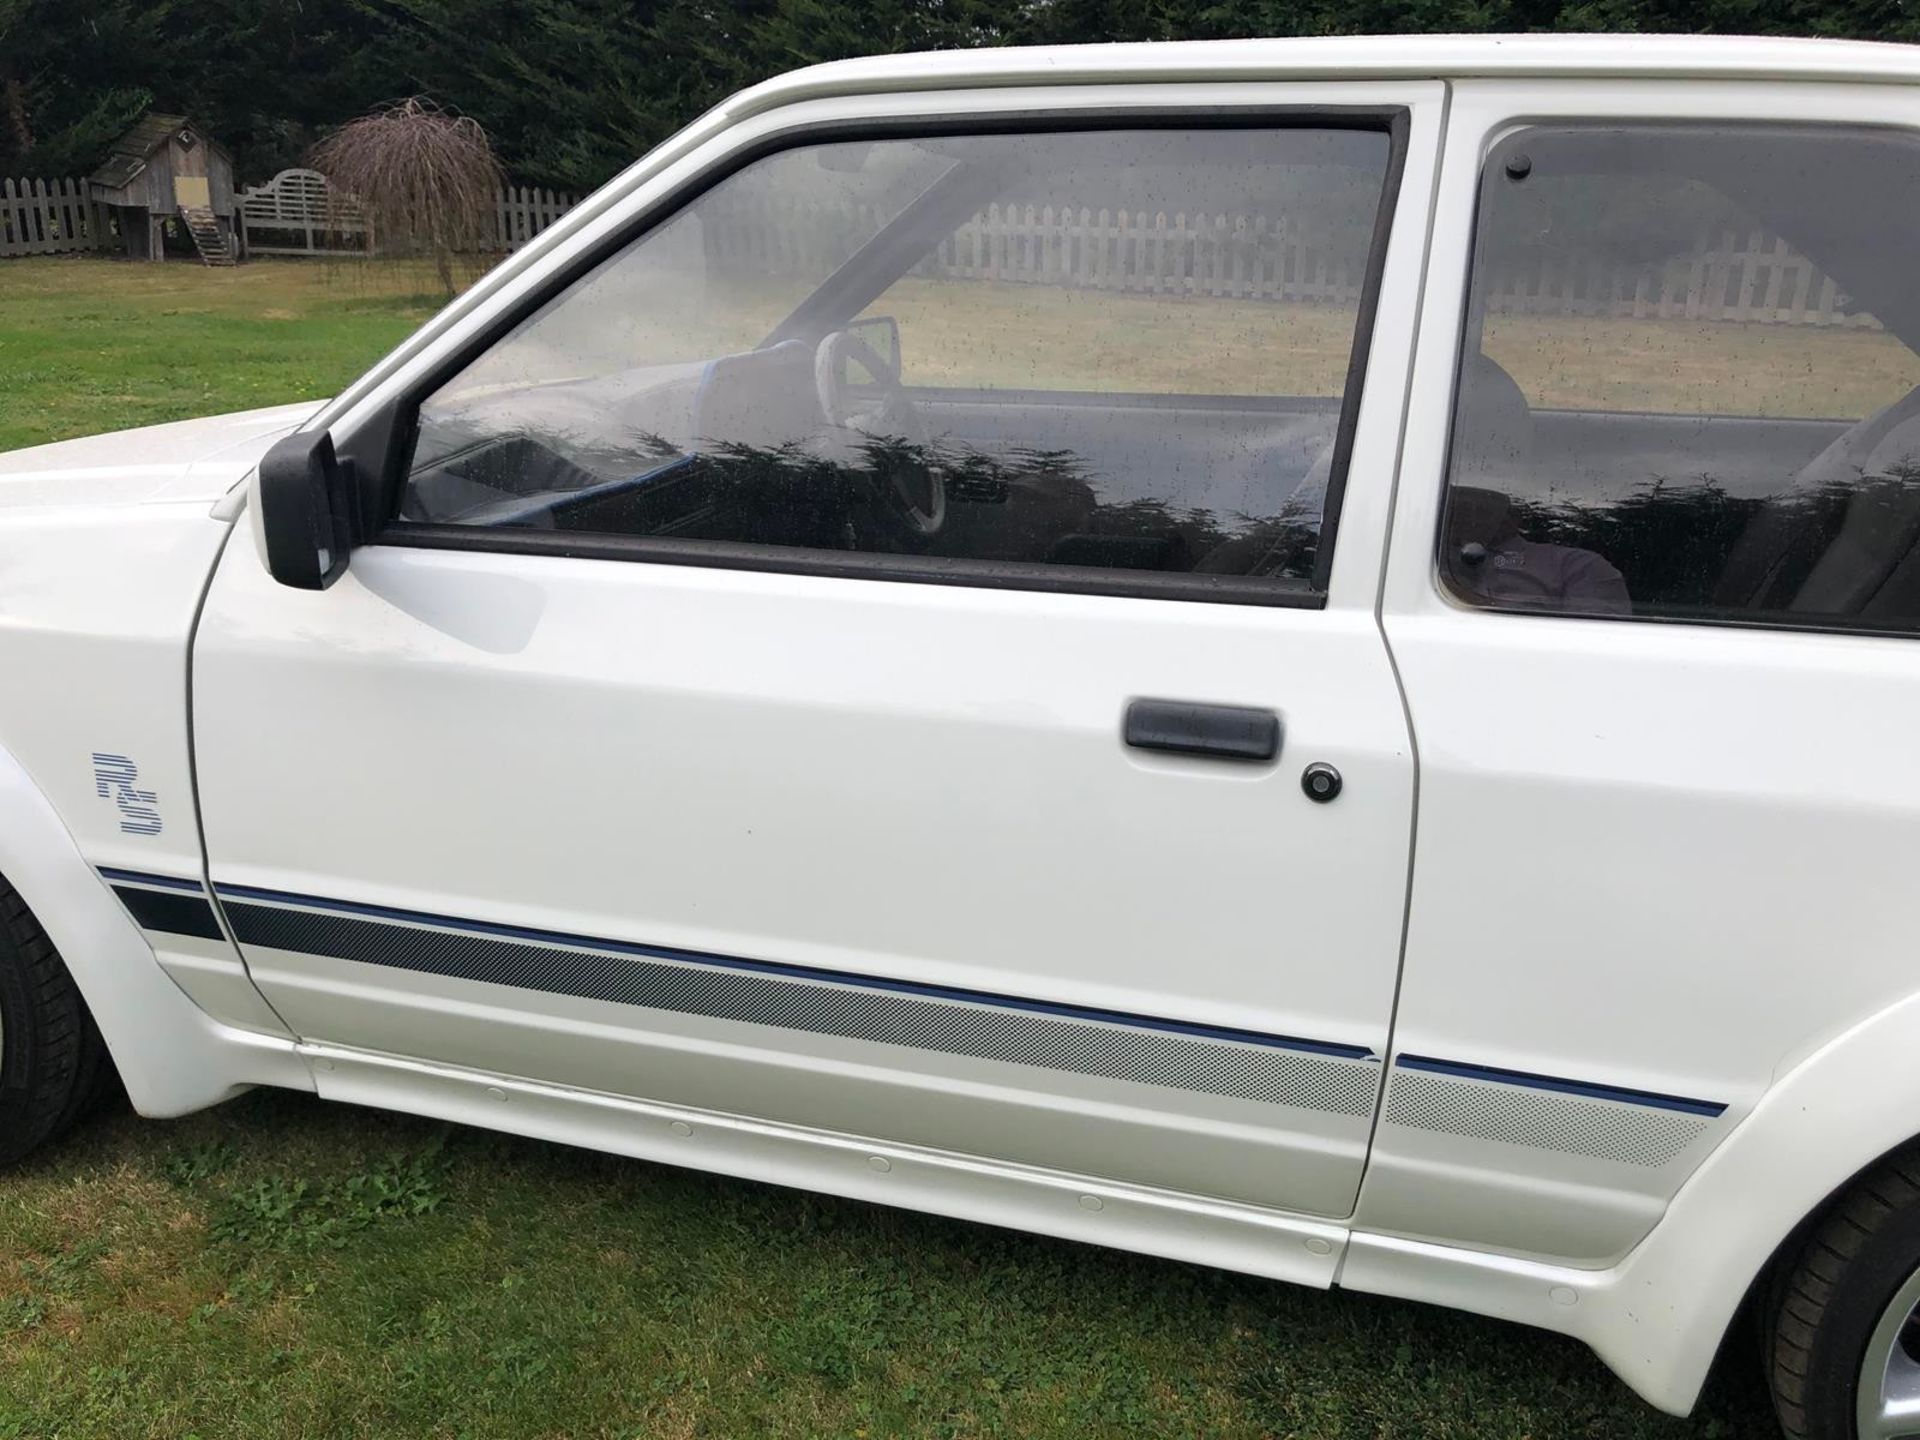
<point x="1445" y="57"/>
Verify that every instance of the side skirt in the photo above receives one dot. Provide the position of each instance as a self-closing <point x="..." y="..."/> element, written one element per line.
<point x="1221" y="1234"/>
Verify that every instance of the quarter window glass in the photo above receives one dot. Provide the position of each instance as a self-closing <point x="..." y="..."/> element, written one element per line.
<point x="1690" y="382"/>
<point x="1111" y="350"/>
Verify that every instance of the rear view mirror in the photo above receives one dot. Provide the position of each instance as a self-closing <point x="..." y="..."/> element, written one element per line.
<point x="305" y="512"/>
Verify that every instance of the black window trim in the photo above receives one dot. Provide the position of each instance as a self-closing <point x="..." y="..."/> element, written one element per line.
<point x="1500" y="143"/>
<point x="380" y="449"/>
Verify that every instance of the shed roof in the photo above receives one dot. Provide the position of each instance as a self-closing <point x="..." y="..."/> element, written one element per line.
<point x="128" y="155"/>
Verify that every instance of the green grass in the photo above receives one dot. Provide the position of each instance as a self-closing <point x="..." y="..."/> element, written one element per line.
<point x="89" y="345"/>
<point x="280" y="1267"/>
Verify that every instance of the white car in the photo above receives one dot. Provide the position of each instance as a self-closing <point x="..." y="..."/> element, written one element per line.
<point x="1299" y="655"/>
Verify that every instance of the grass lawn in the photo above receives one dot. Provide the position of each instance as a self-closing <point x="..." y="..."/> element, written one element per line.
<point x="281" y="1267"/>
<point x="89" y="345"/>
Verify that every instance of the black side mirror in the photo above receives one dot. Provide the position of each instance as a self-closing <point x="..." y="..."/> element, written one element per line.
<point x="306" y="511"/>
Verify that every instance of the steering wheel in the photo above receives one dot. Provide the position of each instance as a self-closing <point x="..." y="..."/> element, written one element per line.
<point x="883" y="436"/>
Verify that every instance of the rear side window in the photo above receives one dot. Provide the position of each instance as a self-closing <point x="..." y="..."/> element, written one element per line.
<point x="1091" y="355"/>
<point x="1689" y="387"/>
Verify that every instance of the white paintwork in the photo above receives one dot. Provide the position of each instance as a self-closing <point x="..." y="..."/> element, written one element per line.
<point x="215" y="978"/>
<point x="99" y="600"/>
<point x="1663" y="857"/>
<point x="186" y="460"/>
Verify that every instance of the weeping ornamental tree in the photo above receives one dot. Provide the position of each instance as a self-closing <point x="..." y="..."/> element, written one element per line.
<point x="426" y="182"/>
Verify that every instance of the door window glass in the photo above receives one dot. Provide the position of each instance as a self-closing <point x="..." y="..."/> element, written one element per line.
<point x="1690" y="388"/>
<point x="1093" y="350"/>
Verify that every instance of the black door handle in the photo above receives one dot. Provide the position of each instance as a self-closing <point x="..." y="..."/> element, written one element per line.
<point x="1226" y="732"/>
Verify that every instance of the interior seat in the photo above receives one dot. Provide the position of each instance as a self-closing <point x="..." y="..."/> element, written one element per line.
<point x="1841" y="539"/>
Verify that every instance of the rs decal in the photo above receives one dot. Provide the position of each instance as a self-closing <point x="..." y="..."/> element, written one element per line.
<point x="115" y="778"/>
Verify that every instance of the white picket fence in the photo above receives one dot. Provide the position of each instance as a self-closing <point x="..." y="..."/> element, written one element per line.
<point x="1753" y="279"/>
<point x="1242" y="256"/>
<point x="48" y="217"/>
<point x="523" y="212"/>
<point x="292" y="214"/>
<point x="1247" y="256"/>
<point x="298" y="213"/>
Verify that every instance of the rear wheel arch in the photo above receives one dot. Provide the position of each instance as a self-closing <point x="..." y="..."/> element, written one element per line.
<point x="1825" y="1290"/>
<point x="1747" y="1341"/>
<point x="1672" y="1304"/>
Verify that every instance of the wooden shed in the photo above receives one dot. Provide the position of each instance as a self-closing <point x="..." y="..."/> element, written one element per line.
<point x="166" y="168"/>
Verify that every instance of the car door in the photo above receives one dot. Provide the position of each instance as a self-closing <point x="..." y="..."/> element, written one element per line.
<point x="716" y="720"/>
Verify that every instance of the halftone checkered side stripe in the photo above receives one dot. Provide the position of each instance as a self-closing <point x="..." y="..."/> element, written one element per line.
<point x="1013" y="1033"/>
<point x="1545" y="1113"/>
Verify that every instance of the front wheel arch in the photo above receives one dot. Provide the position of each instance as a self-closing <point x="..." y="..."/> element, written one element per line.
<point x="171" y="1055"/>
<point x="53" y="1063"/>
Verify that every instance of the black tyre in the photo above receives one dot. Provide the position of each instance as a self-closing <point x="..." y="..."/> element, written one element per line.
<point x="52" y="1061"/>
<point x="1844" y="1350"/>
